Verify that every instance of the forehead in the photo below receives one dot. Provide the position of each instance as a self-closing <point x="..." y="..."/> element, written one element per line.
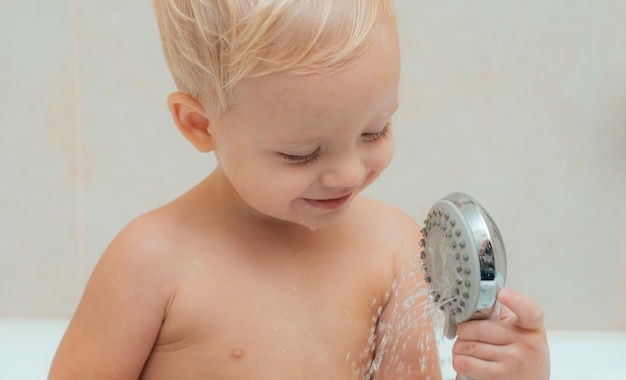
<point x="367" y="86"/>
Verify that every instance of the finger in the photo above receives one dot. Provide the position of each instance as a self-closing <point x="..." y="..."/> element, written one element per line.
<point x="488" y="331"/>
<point x="526" y="313"/>
<point x="506" y="313"/>
<point x="476" y="368"/>
<point x="479" y="350"/>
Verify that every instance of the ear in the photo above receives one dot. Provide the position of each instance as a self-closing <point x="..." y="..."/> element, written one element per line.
<point x="192" y="120"/>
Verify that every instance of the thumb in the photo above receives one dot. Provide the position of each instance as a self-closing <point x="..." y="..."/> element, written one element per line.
<point x="520" y="310"/>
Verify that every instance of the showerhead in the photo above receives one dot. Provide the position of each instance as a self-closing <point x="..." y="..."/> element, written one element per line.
<point x="463" y="259"/>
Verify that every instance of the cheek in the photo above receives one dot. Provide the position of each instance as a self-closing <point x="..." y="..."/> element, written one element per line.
<point x="382" y="157"/>
<point x="378" y="162"/>
<point x="267" y="188"/>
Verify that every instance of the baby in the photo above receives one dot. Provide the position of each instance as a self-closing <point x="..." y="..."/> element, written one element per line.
<point x="274" y="267"/>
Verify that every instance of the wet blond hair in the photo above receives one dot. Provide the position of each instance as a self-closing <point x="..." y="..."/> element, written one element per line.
<point x="213" y="45"/>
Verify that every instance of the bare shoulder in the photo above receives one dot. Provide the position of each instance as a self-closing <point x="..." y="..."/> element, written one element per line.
<point x="389" y="222"/>
<point x="123" y="305"/>
<point x="390" y="213"/>
<point x="140" y="250"/>
<point x="150" y="236"/>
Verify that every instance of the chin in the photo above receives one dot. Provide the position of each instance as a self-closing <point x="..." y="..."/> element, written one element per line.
<point x="322" y="221"/>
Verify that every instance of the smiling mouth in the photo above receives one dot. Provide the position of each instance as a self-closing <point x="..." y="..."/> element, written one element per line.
<point x="329" y="204"/>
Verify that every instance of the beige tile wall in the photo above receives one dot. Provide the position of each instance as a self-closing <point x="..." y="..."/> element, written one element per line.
<point x="521" y="104"/>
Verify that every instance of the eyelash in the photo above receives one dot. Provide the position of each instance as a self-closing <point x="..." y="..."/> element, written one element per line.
<point x="301" y="160"/>
<point x="371" y="137"/>
<point x="313" y="157"/>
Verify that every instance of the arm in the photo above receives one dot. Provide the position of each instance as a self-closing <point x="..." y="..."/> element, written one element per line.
<point x="119" y="316"/>
<point x="515" y="347"/>
<point x="406" y="345"/>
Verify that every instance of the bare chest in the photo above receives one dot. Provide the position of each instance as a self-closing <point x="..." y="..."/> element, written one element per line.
<point x="290" y="322"/>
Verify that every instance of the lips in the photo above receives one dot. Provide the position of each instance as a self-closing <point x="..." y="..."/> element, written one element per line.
<point x="329" y="204"/>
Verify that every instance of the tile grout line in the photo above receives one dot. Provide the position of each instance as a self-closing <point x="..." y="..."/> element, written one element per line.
<point x="79" y="148"/>
<point x="622" y="320"/>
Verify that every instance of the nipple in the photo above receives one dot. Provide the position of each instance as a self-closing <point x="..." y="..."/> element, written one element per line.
<point x="237" y="353"/>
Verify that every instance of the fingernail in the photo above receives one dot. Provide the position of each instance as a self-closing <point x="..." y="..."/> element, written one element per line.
<point x="503" y="293"/>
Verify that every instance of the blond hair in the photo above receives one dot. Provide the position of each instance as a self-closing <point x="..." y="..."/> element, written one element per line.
<point x="212" y="45"/>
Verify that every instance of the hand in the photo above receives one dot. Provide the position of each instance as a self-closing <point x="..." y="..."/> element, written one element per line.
<point x="512" y="348"/>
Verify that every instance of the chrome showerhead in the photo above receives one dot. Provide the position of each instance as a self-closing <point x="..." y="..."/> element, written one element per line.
<point x="463" y="259"/>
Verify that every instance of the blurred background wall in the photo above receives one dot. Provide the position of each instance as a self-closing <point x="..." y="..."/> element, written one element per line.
<point x="521" y="104"/>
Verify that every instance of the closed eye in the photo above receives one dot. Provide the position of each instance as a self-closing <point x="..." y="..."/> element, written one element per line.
<point x="371" y="137"/>
<point x="314" y="156"/>
<point x="301" y="160"/>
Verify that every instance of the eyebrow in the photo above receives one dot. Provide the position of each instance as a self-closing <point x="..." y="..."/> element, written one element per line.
<point x="298" y="143"/>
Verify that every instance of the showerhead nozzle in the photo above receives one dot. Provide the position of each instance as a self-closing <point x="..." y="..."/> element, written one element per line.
<point x="463" y="259"/>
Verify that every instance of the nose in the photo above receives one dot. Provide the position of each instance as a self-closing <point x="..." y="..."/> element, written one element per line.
<point x="345" y="170"/>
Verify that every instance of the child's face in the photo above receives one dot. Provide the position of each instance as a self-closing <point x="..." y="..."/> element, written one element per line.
<point x="300" y="147"/>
